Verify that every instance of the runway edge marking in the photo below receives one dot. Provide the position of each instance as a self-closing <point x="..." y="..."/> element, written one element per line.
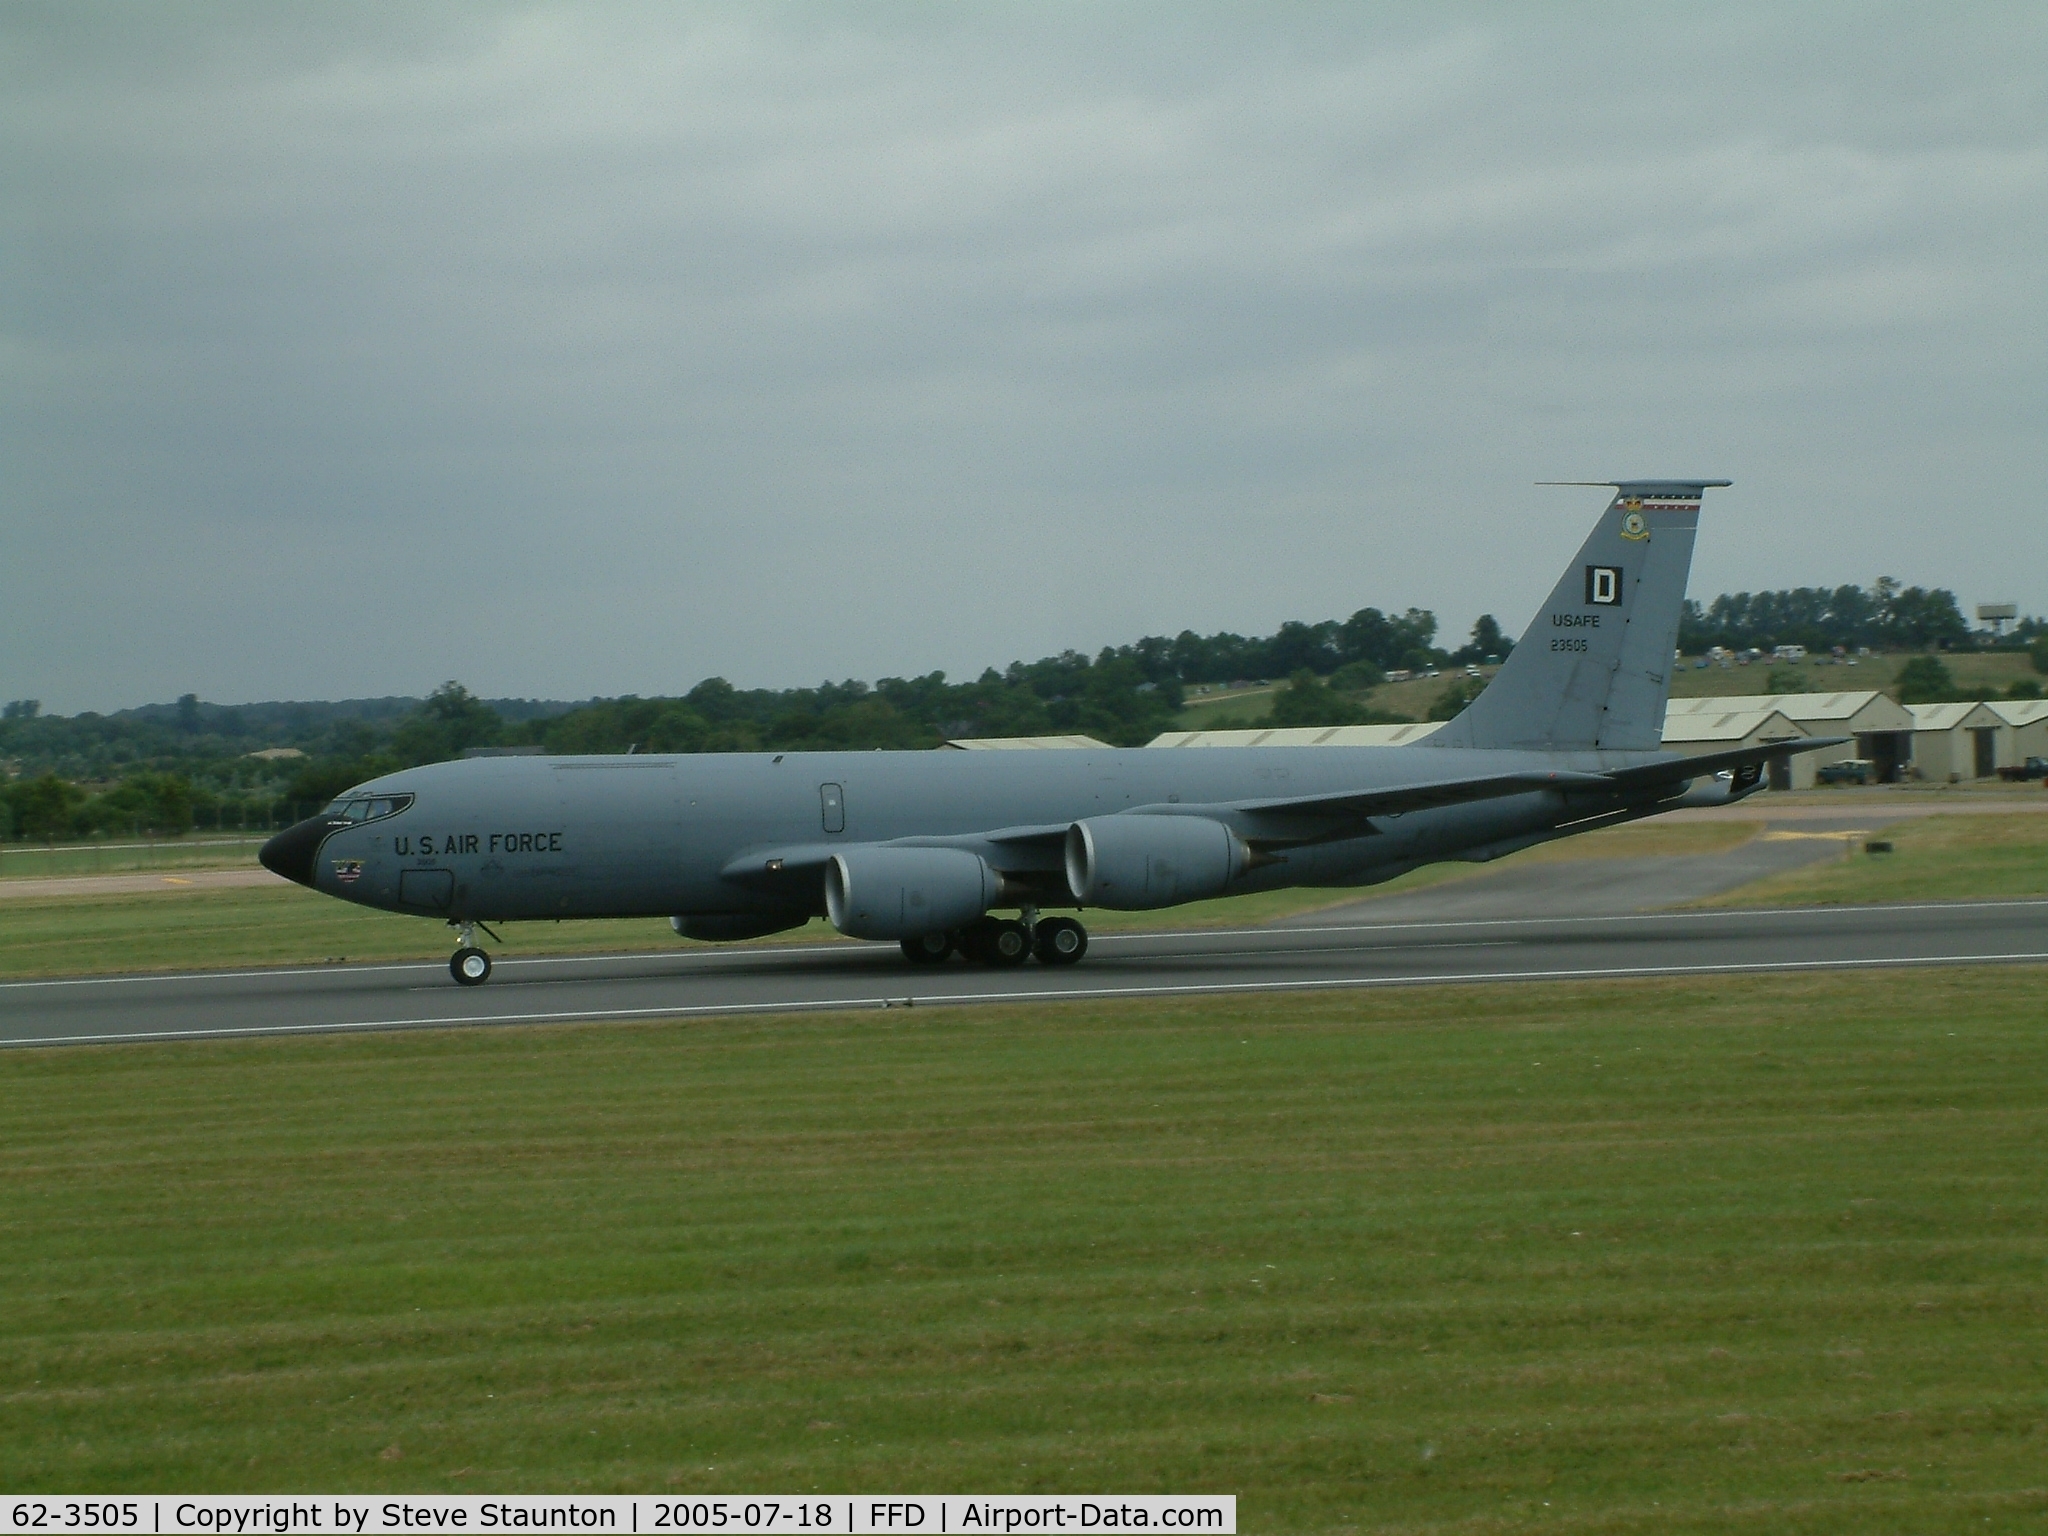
<point x="1127" y="936"/>
<point x="1077" y="994"/>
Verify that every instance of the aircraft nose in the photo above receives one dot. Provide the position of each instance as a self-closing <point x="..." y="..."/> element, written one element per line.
<point x="290" y="853"/>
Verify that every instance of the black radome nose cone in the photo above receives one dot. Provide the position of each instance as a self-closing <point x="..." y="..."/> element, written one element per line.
<point x="291" y="852"/>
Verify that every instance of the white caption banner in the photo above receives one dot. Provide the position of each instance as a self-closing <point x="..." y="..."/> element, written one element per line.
<point x="358" y="1514"/>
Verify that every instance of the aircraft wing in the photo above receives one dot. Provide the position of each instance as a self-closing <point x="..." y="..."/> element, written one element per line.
<point x="1413" y="797"/>
<point x="1316" y="818"/>
<point x="1288" y="820"/>
<point x="797" y="867"/>
<point x="1294" y="820"/>
<point x="794" y="867"/>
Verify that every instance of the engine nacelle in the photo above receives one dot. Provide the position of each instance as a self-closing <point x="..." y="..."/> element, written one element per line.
<point x="1133" y="863"/>
<point x="724" y="927"/>
<point x="904" y="893"/>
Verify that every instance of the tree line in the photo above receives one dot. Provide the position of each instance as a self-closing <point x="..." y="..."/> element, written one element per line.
<point x="165" y="767"/>
<point x="1886" y="615"/>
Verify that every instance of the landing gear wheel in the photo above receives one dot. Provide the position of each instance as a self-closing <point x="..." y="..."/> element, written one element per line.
<point x="470" y="966"/>
<point x="928" y="949"/>
<point x="998" y="941"/>
<point x="1060" y="941"/>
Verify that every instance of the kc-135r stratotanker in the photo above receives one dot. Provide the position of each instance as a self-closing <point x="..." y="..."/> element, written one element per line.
<point x="924" y="847"/>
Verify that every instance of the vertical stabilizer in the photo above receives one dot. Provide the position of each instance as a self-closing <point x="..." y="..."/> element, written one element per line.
<point x="1593" y="671"/>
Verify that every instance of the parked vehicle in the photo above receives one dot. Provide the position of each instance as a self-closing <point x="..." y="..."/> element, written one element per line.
<point x="2032" y="768"/>
<point x="1850" y="770"/>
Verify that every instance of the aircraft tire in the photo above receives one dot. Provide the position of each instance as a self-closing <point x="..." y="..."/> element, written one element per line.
<point x="470" y="967"/>
<point x="1060" y="941"/>
<point x="928" y="949"/>
<point x="998" y="942"/>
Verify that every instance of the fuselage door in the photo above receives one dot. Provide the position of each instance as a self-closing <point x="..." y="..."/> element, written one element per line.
<point x="832" y="799"/>
<point x="426" y="890"/>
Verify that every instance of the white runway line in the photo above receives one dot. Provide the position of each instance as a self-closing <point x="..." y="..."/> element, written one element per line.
<point x="1077" y="994"/>
<point x="145" y="978"/>
<point x="1128" y="936"/>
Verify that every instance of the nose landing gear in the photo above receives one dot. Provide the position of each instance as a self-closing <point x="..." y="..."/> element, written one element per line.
<point x="470" y="966"/>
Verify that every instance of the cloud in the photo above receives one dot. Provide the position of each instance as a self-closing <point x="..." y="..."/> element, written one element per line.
<point x="596" y="349"/>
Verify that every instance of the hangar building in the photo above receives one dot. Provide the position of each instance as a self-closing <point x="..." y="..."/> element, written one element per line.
<point x="1693" y="732"/>
<point x="1883" y="731"/>
<point x="2023" y="729"/>
<point x="1942" y="742"/>
<point x="1952" y="742"/>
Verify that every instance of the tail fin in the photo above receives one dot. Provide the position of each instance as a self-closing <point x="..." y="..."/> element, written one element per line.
<point x="1594" y="669"/>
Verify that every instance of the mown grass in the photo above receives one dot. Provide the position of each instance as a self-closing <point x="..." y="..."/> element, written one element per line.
<point x="29" y="861"/>
<point x="1970" y="669"/>
<point x="1646" y="840"/>
<point x="1933" y="858"/>
<point x="189" y="929"/>
<point x="200" y="929"/>
<point x="1763" y="1254"/>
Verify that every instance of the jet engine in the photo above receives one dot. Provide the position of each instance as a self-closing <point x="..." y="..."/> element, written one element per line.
<point x="1135" y="862"/>
<point x="905" y="893"/>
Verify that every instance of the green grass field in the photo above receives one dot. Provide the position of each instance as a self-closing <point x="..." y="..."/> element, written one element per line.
<point x="2000" y="670"/>
<point x="1252" y="705"/>
<point x="1761" y="1254"/>
<point x="1934" y="858"/>
<point x="1971" y="669"/>
<point x="29" y="861"/>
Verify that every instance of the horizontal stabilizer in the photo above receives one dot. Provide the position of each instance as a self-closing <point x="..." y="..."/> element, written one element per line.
<point x="1679" y="769"/>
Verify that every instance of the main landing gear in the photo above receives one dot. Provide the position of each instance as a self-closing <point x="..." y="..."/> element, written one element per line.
<point x="469" y="965"/>
<point x="997" y="941"/>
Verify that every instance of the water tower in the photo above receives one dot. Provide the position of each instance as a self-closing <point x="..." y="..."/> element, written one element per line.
<point x="1997" y="615"/>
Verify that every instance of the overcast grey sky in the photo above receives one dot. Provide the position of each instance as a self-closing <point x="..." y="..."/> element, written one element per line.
<point x="575" y="349"/>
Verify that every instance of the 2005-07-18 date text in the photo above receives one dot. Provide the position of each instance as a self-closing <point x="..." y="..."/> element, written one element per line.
<point x="768" y="1515"/>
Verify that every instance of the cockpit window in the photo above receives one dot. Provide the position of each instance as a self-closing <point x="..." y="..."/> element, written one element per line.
<point x="368" y="808"/>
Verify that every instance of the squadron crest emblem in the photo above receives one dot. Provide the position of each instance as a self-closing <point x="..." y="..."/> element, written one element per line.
<point x="1633" y="525"/>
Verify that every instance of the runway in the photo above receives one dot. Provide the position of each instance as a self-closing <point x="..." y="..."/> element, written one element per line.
<point x="1305" y="955"/>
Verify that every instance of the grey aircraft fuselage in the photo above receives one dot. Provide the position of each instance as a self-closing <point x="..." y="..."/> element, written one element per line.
<point x="511" y="838"/>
